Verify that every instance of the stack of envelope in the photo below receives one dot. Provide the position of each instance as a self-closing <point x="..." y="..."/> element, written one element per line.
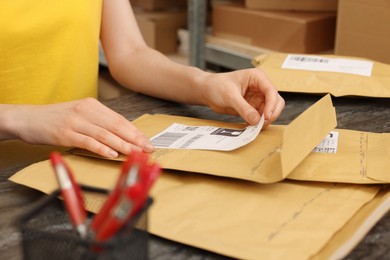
<point x="295" y="191"/>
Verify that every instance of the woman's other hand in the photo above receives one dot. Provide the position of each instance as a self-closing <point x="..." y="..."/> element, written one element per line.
<point x="85" y="123"/>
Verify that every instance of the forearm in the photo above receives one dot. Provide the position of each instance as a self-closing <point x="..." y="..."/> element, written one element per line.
<point x="247" y="93"/>
<point x="143" y="69"/>
<point x="7" y="121"/>
<point x="150" y="72"/>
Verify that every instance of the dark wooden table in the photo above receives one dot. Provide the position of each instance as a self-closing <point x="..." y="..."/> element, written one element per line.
<point x="365" y="114"/>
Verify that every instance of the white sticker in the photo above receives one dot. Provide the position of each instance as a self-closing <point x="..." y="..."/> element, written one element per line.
<point x="328" y="144"/>
<point x="319" y="63"/>
<point x="180" y="136"/>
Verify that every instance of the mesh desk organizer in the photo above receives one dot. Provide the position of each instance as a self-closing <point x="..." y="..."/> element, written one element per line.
<point x="47" y="233"/>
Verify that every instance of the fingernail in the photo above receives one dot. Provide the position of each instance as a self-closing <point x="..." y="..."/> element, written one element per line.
<point x="148" y="147"/>
<point x="253" y="118"/>
<point x="270" y="114"/>
<point x="112" y="154"/>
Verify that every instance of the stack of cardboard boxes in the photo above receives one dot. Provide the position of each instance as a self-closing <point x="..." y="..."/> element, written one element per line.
<point x="295" y="26"/>
<point x="358" y="28"/>
<point x="362" y="27"/>
<point x="159" y="22"/>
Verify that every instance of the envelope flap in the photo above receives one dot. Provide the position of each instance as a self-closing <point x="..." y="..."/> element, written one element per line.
<point x="305" y="132"/>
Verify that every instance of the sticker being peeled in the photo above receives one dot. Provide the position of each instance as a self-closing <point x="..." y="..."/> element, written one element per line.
<point x="178" y="136"/>
<point x="319" y="63"/>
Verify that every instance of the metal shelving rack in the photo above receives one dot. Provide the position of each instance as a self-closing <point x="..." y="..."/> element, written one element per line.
<point x="201" y="52"/>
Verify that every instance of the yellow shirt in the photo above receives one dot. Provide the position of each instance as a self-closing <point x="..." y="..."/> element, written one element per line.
<point x="48" y="50"/>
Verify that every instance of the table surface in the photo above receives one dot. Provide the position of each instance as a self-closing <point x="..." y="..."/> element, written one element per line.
<point x="356" y="113"/>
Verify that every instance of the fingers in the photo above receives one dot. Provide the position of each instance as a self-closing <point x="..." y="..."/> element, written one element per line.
<point x="273" y="109"/>
<point x="273" y="103"/>
<point x="258" y="96"/>
<point x="103" y="143"/>
<point x="87" y="124"/>
<point x="120" y="132"/>
<point x="246" y="111"/>
<point x="91" y="144"/>
<point x="111" y="130"/>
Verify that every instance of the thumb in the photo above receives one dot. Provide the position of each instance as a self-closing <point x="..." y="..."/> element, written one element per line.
<point x="247" y="112"/>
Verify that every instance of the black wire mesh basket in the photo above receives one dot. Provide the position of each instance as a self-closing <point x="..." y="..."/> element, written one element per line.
<point x="47" y="233"/>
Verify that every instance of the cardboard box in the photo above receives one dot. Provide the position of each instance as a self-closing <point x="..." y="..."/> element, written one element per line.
<point x="159" y="29"/>
<point x="298" y="32"/>
<point x="363" y="29"/>
<point x="292" y="5"/>
<point x="154" y="5"/>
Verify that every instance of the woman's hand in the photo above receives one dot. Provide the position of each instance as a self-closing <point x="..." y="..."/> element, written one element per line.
<point x="83" y="123"/>
<point x="247" y="93"/>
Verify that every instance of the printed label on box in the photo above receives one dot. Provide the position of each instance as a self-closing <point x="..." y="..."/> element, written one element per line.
<point x="319" y="63"/>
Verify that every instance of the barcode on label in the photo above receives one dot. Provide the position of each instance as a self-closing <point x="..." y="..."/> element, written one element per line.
<point x="308" y="59"/>
<point x="193" y="139"/>
<point x="324" y="150"/>
<point x="191" y="128"/>
<point x="167" y="139"/>
<point x="320" y="63"/>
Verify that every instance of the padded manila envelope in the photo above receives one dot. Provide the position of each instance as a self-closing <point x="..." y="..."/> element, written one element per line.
<point x="271" y="157"/>
<point x="361" y="158"/>
<point x="241" y="219"/>
<point x="337" y="75"/>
